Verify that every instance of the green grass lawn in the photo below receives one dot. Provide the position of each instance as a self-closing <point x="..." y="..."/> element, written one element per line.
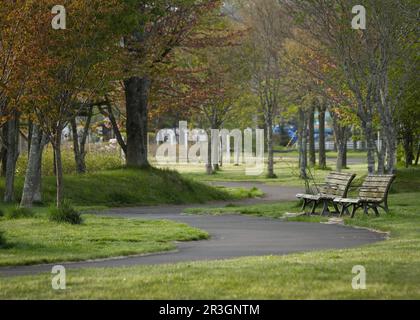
<point x="285" y="167"/>
<point x="273" y="210"/>
<point x="38" y="240"/>
<point x="98" y="158"/>
<point x="131" y="187"/>
<point x="392" y="266"/>
<point x="351" y="154"/>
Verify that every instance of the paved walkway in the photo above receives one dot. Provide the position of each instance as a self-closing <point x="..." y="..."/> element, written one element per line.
<point x="231" y="235"/>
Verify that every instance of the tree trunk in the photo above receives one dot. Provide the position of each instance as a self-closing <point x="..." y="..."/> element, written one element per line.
<point x="303" y="156"/>
<point x="110" y="115"/>
<point x="311" y="128"/>
<point x="3" y="151"/>
<point x="341" y="149"/>
<point x="30" y="131"/>
<point x="59" y="168"/>
<point x="370" y="145"/>
<point x="363" y="145"/>
<point x="79" y="157"/>
<point x="354" y="138"/>
<point x="32" y="177"/>
<point x="80" y="144"/>
<point x="216" y="151"/>
<point x="381" y="156"/>
<point x="322" y="155"/>
<point x="391" y="154"/>
<point x="54" y="164"/>
<point x="222" y="151"/>
<point x="341" y="135"/>
<point x="137" y="94"/>
<point x="408" y="144"/>
<point x="418" y="155"/>
<point x="270" y="165"/>
<point x="38" y="187"/>
<point x="341" y="156"/>
<point x="344" y="161"/>
<point x="209" y="165"/>
<point x="12" y="156"/>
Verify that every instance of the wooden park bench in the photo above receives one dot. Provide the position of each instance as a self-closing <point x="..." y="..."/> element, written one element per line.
<point x="336" y="185"/>
<point x="373" y="194"/>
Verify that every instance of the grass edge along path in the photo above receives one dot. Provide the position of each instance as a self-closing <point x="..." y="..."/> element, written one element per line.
<point x="392" y="267"/>
<point x="132" y="187"/>
<point x="37" y="240"/>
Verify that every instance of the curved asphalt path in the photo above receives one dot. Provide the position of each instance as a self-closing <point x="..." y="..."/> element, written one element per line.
<point x="231" y="235"/>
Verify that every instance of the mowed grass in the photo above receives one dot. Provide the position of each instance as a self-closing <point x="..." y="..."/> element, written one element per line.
<point x="38" y="240"/>
<point x="392" y="266"/>
<point x="285" y="168"/>
<point x="351" y="154"/>
<point x="273" y="210"/>
<point x="131" y="187"/>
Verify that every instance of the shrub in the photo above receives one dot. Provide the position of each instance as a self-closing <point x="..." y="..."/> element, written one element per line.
<point x="65" y="214"/>
<point x="1" y="213"/>
<point x="18" y="213"/>
<point x="97" y="159"/>
<point x="2" y="239"/>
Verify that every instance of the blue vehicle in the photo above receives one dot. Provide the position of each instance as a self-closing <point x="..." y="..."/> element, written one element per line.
<point x="293" y="134"/>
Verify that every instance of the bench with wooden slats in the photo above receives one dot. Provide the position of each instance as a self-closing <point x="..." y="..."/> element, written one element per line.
<point x="336" y="185"/>
<point x="373" y="194"/>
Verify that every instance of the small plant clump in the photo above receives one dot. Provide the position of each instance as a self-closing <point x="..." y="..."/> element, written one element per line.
<point x="19" y="213"/>
<point x="65" y="214"/>
<point x="2" y="239"/>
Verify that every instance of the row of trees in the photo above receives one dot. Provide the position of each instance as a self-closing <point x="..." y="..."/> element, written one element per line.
<point x="241" y="63"/>
<point x="363" y="74"/>
<point x="305" y="55"/>
<point x="294" y="57"/>
<point x="111" y="51"/>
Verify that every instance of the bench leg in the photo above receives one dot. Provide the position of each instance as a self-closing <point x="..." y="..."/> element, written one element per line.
<point x="315" y="204"/>
<point x="365" y="209"/>
<point x="385" y="208"/>
<point x="325" y="209"/>
<point x="304" y="205"/>
<point x="375" y="209"/>
<point x="353" y="210"/>
<point x="347" y="210"/>
<point x="337" y="210"/>
<point x="343" y="209"/>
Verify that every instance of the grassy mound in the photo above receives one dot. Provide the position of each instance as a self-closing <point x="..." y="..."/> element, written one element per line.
<point x="129" y="187"/>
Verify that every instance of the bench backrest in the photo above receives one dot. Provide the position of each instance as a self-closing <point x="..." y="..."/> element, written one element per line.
<point x="376" y="187"/>
<point x="337" y="184"/>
